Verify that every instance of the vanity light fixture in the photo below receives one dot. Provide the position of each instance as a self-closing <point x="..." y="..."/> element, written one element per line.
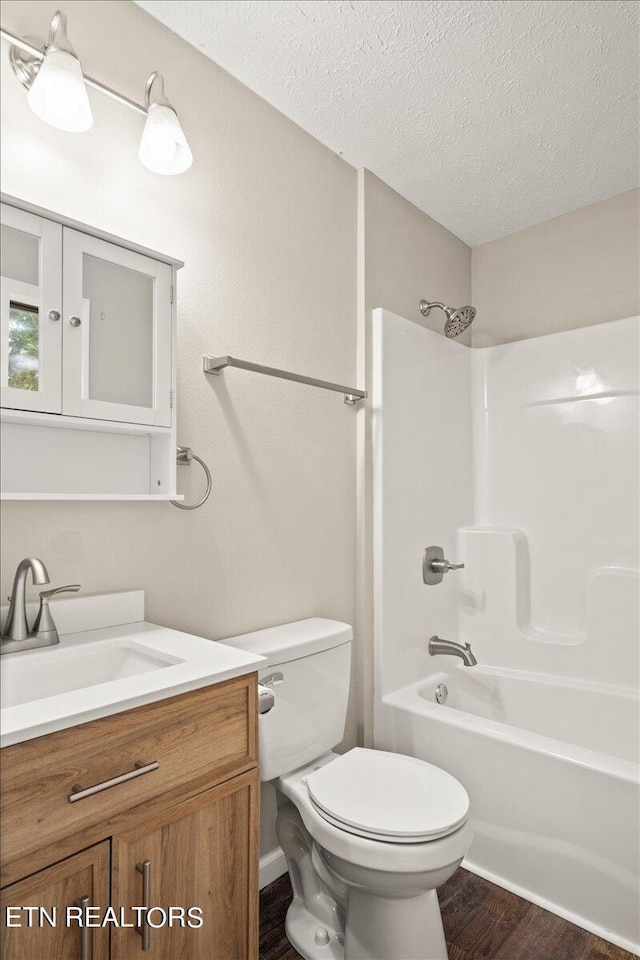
<point x="164" y="147"/>
<point x="57" y="94"/>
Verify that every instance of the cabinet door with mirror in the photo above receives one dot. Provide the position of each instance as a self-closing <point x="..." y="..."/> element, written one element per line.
<point x="31" y="305"/>
<point x="117" y="332"/>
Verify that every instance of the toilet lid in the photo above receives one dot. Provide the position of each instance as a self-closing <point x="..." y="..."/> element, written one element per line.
<point x="387" y="796"/>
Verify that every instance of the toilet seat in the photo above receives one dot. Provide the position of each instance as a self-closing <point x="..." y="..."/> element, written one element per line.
<point x="388" y="797"/>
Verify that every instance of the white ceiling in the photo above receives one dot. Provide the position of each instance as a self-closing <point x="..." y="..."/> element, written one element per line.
<point x="489" y="115"/>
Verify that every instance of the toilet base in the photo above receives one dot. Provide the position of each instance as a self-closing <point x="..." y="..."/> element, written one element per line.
<point x="383" y="928"/>
<point x="330" y="919"/>
<point x="377" y="928"/>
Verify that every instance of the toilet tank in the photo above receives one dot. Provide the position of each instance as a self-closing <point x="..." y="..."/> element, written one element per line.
<point x="310" y="710"/>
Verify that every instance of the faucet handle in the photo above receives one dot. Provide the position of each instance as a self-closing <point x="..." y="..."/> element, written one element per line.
<point x="44" y="625"/>
<point x="70" y="588"/>
<point x="434" y="565"/>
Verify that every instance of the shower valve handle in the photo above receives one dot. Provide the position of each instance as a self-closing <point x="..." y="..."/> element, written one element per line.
<point x="445" y="566"/>
<point x="434" y="566"/>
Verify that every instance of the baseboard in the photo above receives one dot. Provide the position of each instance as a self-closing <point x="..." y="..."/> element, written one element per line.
<point x="579" y="921"/>
<point x="272" y="866"/>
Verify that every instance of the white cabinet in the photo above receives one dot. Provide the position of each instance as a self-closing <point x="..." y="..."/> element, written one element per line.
<point x="86" y="324"/>
<point x="87" y="366"/>
<point x="31" y="295"/>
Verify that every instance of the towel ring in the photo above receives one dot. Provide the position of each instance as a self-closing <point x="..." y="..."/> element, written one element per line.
<point x="184" y="457"/>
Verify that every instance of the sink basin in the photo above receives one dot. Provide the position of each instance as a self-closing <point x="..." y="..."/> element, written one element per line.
<point x="40" y="674"/>
<point x="109" y="660"/>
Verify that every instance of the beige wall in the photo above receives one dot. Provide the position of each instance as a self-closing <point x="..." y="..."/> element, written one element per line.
<point x="266" y="223"/>
<point x="403" y="256"/>
<point x="572" y="271"/>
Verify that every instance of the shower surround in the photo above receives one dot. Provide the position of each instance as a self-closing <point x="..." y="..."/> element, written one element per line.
<point x="522" y="461"/>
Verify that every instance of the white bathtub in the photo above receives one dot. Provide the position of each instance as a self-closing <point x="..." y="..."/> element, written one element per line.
<point x="551" y="766"/>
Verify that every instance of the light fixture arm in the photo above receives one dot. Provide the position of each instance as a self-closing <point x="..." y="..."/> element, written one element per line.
<point x="58" y="39"/>
<point x="158" y="79"/>
<point x="58" y="21"/>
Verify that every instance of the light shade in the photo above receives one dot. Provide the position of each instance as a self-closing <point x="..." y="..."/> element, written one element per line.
<point x="58" y="94"/>
<point x="164" y="148"/>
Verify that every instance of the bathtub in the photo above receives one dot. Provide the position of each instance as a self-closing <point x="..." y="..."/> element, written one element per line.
<point x="552" y="769"/>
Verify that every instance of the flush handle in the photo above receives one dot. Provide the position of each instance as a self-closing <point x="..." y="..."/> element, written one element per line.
<point x="272" y="679"/>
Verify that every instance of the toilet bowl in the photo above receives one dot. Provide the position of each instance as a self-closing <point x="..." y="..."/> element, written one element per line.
<point x="367" y="835"/>
<point x="363" y="890"/>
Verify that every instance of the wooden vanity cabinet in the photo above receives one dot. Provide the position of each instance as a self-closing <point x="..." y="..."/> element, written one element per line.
<point x="83" y="877"/>
<point x="200" y="851"/>
<point x="184" y="835"/>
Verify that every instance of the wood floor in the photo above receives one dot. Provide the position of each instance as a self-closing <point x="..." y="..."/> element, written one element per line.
<point x="481" y="922"/>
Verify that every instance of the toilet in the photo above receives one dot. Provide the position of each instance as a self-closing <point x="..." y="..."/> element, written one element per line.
<point x="367" y="835"/>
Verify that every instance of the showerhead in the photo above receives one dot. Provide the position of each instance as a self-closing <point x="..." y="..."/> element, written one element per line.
<point x="458" y="319"/>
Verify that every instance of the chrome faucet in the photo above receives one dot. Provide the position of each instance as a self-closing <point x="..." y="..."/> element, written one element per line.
<point x="437" y="645"/>
<point x="16" y="627"/>
<point x="16" y="635"/>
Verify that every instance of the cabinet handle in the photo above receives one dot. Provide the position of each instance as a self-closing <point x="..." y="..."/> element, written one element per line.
<point x="78" y="793"/>
<point x="75" y="321"/>
<point x="85" y="932"/>
<point x="144" y="930"/>
<point x="54" y="315"/>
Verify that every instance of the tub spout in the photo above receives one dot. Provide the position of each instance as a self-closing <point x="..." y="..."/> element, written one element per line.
<point x="437" y="645"/>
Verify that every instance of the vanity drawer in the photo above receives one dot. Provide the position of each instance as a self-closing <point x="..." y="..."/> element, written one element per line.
<point x="197" y="739"/>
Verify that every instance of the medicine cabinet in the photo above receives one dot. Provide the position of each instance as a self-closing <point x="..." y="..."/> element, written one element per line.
<point x="88" y="362"/>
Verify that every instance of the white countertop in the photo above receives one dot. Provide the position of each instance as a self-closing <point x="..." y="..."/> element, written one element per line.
<point x="186" y="663"/>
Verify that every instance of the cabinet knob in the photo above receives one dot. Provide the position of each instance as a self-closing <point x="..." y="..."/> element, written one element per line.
<point x="75" y="321"/>
<point x="54" y="315"/>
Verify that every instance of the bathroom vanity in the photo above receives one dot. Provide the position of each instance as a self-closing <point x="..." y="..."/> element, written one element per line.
<point x="151" y="800"/>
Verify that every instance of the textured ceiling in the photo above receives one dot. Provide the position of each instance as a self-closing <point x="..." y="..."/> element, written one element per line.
<point x="489" y="115"/>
